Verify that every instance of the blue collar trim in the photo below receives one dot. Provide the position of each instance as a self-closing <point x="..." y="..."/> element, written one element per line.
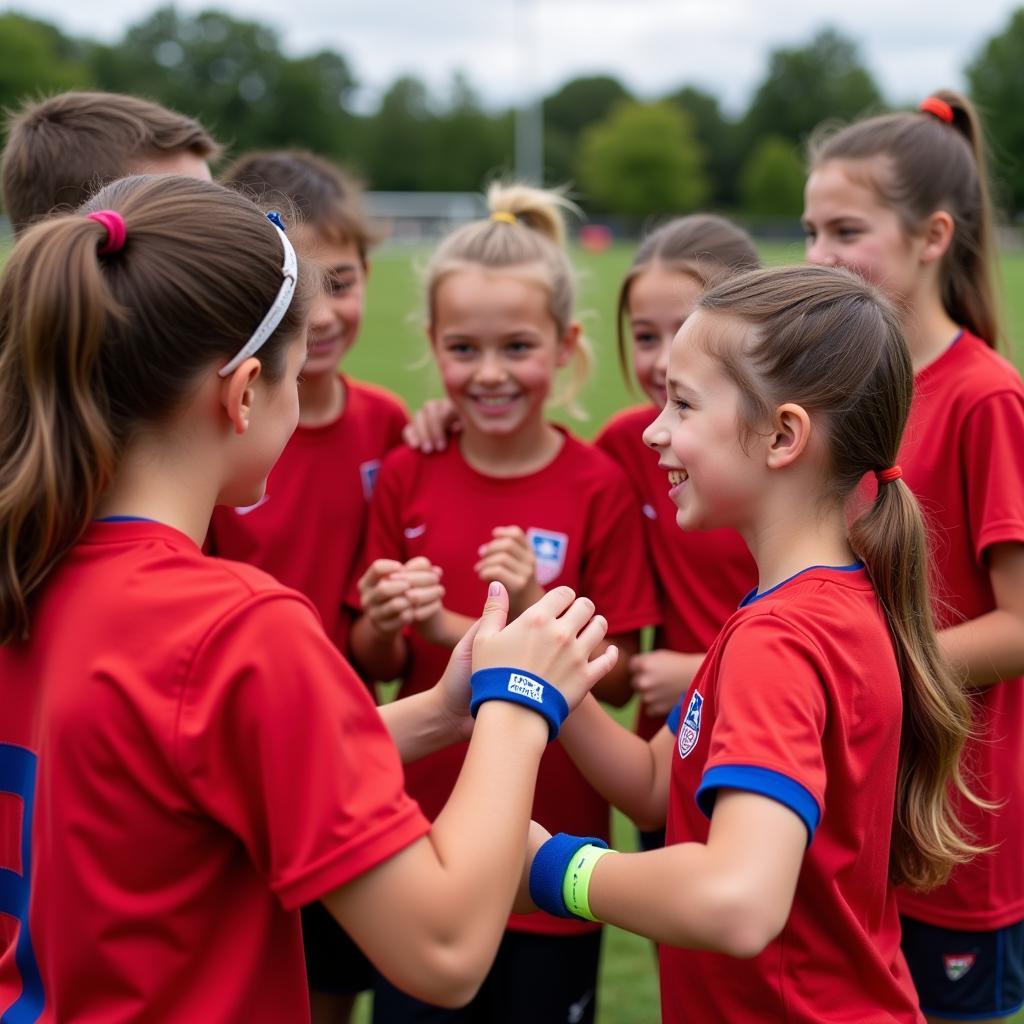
<point x="755" y="596"/>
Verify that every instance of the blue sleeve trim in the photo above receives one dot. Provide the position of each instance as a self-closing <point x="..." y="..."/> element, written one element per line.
<point x="764" y="782"/>
<point x="674" y="718"/>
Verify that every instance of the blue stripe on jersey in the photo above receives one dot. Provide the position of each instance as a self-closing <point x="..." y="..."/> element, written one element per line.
<point x="675" y="716"/>
<point x="755" y="596"/>
<point x="764" y="782"/>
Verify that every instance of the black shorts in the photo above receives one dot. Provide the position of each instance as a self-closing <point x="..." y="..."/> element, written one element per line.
<point x="334" y="963"/>
<point x="965" y="975"/>
<point x="539" y="979"/>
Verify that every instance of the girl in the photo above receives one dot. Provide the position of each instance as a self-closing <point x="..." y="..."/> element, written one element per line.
<point x="324" y="477"/>
<point x="701" y="576"/>
<point x="902" y="199"/>
<point x="519" y="500"/>
<point x="165" y="712"/>
<point x="823" y="728"/>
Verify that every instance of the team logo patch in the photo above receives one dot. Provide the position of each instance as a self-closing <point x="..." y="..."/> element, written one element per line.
<point x="689" y="729"/>
<point x="525" y="687"/>
<point x="957" y="964"/>
<point x="368" y="474"/>
<point x="549" y="549"/>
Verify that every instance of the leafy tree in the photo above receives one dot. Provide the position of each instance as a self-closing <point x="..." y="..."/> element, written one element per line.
<point x="807" y="85"/>
<point x="718" y="137"/>
<point x="578" y="104"/>
<point x="643" y="159"/>
<point x="996" y="78"/>
<point x="772" y="180"/>
<point x="399" y="146"/>
<point x="36" y="58"/>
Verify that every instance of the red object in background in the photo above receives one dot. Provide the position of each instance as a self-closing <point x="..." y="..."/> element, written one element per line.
<point x="595" y="237"/>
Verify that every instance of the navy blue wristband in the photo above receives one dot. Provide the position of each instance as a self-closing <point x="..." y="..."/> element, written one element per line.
<point x="547" y="872"/>
<point x="519" y="687"/>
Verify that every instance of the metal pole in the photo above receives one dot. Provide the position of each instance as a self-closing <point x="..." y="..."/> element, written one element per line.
<point x="529" y="122"/>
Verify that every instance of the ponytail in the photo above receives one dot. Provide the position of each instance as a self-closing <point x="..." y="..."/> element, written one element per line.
<point x="526" y="229"/>
<point x="57" y="452"/>
<point x="97" y="344"/>
<point x="927" y="842"/>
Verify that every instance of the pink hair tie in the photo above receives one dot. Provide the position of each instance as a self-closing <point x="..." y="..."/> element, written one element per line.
<point x="937" y="108"/>
<point x="886" y="476"/>
<point x="116" y="231"/>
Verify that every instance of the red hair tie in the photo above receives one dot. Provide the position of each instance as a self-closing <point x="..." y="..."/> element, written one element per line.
<point x="886" y="476"/>
<point x="937" y="108"/>
<point x="116" y="231"/>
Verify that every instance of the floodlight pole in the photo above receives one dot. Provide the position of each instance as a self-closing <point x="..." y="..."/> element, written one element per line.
<point x="529" y="121"/>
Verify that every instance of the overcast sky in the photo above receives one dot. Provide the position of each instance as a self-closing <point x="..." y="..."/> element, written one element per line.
<point x="652" y="45"/>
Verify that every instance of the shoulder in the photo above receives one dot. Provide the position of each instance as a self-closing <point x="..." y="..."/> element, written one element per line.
<point x="625" y="428"/>
<point x="975" y="372"/>
<point x="371" y="400"/>
<point x="589" y="464"/>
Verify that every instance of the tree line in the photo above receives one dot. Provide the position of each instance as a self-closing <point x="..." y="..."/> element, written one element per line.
<point x="624" y="155"/>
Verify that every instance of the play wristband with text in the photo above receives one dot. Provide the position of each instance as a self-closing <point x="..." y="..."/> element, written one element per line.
<point x="519" y="687"/>
<point x="553" y="861"/>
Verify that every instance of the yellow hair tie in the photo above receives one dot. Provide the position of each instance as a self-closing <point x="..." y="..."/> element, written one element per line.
<point x="504" y="216"/>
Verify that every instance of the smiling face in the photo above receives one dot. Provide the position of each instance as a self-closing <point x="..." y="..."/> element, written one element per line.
<point x="660" y="299"/>
<point x="847" y="224"/>
<point x="497" y="347"/>
<point x="337" y="314"/>
<point x="713" y="473"/>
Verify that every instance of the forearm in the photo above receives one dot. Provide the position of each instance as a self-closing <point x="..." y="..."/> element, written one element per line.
<point x="420" y="724"/>
<point x="380" y="655"/>
<point x="622" y="767"/>
<point x="987" y="649"/>
<point x="446" y="628"/>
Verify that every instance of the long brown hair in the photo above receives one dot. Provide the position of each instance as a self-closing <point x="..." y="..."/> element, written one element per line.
<point x="928" y="165"/>
<point x="703" y="246"/>
<point x="828" y="341"/>
<point x="93" y="347"/>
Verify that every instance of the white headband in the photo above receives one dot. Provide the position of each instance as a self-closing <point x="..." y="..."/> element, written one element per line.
<point x="278" y="308"/>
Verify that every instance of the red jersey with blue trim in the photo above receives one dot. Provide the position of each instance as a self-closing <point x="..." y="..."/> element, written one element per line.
<point x="701" y="575"/>
<point x="158" y="828"/>
<point x="579" y="513"/>
<point x="308" y="529"/>
<point x="963" y="457"/>
<point x="799" y="700"/>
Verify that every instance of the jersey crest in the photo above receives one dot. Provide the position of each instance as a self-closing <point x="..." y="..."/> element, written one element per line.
<point x="368" y="474"/>
<point x="689" y="728"/>
<point x="957" y="964"/>
<point x="549" y="550"/>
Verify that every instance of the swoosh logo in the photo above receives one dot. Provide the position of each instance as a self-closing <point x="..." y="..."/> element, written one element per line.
<point x="244" y="510"/>
<point x="412" y="532"/>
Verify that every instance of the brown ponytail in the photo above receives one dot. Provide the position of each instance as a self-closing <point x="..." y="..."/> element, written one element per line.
<point x="829" y="342"/>
<point x="92" y="348"/>
<point x="931" y="165"/>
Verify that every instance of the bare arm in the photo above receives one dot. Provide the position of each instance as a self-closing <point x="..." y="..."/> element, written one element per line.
<point x="630" y="773"/>
<point x="431" y="917"/>
<point x="990" y="648"/>
<point x="615" y="688"/>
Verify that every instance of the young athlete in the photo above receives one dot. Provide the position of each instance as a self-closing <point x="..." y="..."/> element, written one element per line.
<point x="62" y="149"/>
<point x="902" y="199"/>
<point x="809" y="765"/>
<point x="324" y="477"/>
<point x="185" y="758"/>
<point x="701" y="576"/>
<point x="519" y="500"/>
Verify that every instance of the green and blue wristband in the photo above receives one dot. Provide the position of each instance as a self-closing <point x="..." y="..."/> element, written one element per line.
<point x="560" y="875"/>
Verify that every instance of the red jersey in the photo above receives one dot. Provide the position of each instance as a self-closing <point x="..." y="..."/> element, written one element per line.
<point x="799" y="699"/>
<point x="160" y="833"/>
<point x="586" y="533"/>
<point x="701" y="575"/>
<point x="308" y="530"/>
<point x="963" y="457"/>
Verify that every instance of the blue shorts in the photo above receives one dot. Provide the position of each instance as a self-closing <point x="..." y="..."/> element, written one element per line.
<point x="966" y="975"/>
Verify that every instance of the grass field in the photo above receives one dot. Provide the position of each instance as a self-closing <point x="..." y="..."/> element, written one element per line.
<point x="392" y="351"/>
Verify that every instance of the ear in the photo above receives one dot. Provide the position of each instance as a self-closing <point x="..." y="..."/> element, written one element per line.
<point x="237" y="393"/>
<point x="937" y="237"/>
<point x="568" y="344"/>
<point x="791" y="436"/>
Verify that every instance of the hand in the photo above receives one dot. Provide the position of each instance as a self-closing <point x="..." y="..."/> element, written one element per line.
<point x="453" y="687"/>
<point x="661" y="677"/>
<point x="553" y="639"/>
<point x="509" y="559"/>
<point x="537" y="837"/>
<point x="429" y="428"/>
<point x="394" y="594"/>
